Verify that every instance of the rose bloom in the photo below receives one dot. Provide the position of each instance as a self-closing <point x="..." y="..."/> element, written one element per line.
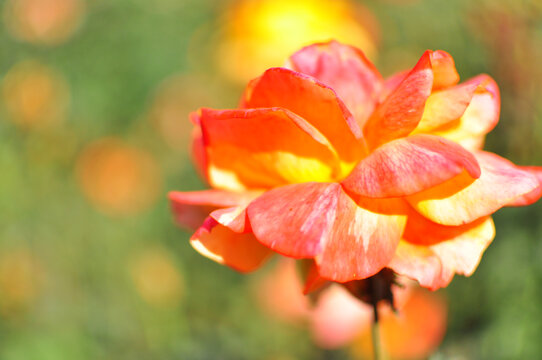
<point x="325" y="160"/>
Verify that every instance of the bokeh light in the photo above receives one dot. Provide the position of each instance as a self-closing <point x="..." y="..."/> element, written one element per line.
<point x="21" y="280"/>
<point x="414" y="333"/>
<point x="173" y="100"/>
<point x="48" y="22"/>
<point x="117" y="178"/>
<point x="156" y="278"/>
<point x="35" y="95"/>
<point x="259" y="34"/>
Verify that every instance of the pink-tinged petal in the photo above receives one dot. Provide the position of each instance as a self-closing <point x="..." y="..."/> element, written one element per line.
<point x="455" y="202"/>
<point x="479" y="118"/>
<point x="409" y="165"/>
<point x="534" y="195"/>
<point x="320" y="221"/>
<point x="444" y="71"/>
<point x="312" y="100"/>
<point x="241" y="252"/>
<point x="263" y="148"/>
<point x="295" y="220"/>
<point x="338" y="318"/>
<point x="419" y="263"/>
<point x="190" y="209"/>
<point x="447" y="105"/>
<point x="434" y="266"/>
<point x="346" y="70"/>
<point x="360" y="243"/>
<point x="402" y="110"/>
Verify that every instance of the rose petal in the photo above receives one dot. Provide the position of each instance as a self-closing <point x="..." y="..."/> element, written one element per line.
<point x="191" y="208"/>
<point x="263" y="148"/>
<point x="391" y="83"/>
<point x="453" y="203"/>
<point x="295" y="220"/>
<point x="420" y="263"/>
<point x="422" y="231"/>
<point x="434" y="266"/>
<point x="409" y="165"/>
<point x="445" y="106"/>
<point x="360" y="242"/>
<point x="234" y="218"/>
<point x="346" y="70"/>
<point x="313" y="280"/>
<point x="199" y="159"/>
<point x="479" y="118"/>
<point x="463" y="253"/>
<point x="320" y="220"/>
<point x="534" y="195"/>
<point x="402" y="110"/>
<point x="315" y="102"/>
<point x="444" y="71"/>
<point x="242" y="252"/>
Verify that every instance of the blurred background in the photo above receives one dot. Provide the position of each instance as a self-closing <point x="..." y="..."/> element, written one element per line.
<point x="94" y="98"/>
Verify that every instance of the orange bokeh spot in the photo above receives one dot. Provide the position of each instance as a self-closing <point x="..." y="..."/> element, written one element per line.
<point x="35" y="95"/>
<point x="414" y="333"/>
<point x="280" y="294"/>
<point x="156" y="278"/>
<point x="21" y="280"/>
<point x="174" y="98"/>
<point x="262" y="34"/>
<point x="117" y="178"/>
<point x="48" y="22"/>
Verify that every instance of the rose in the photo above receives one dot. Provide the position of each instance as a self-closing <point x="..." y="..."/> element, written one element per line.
<point x="324" y="160"/>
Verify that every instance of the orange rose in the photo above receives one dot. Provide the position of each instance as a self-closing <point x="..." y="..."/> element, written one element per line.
<point x="325" y="160"/>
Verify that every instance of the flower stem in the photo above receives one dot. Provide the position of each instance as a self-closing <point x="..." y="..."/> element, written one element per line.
<point x="375" y="332"/>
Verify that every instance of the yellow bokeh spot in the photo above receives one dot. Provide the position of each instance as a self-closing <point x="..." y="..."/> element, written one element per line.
<point x="21" y="279"/>
<point x="34" y="95"/>
<point x="156" y="278"/>
<point x="260" y="34"/>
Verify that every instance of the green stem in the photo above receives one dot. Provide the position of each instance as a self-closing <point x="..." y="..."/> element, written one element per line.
<point x="375" y="332"/>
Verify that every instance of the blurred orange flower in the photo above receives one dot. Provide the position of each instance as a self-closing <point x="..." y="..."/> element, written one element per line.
<point x="35" y="95"/>
<point x="325" y="160"/>
<point x="338" y="319"/>
<point x="117" y="178"/>
<point x="259" y="34"/>
<point x="48" y="22"/>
